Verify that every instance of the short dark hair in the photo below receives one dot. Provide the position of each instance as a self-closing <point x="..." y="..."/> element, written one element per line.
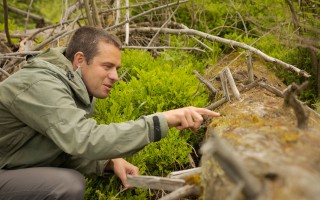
<point x="86" y="40"/>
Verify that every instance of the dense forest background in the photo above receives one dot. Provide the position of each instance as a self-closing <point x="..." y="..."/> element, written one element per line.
<point x="156" y="53"/>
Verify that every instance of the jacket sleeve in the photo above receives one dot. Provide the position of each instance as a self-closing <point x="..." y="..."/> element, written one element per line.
<point x="86" y="166"/>
<point x="48" y="107"/>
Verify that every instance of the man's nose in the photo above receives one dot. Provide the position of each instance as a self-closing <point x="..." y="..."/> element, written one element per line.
<point x="114" y="75"/>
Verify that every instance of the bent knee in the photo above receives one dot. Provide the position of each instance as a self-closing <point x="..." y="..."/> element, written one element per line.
<point x="71" y="186"/>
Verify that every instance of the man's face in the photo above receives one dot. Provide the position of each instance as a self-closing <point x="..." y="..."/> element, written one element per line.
<point x="100" y="75"/>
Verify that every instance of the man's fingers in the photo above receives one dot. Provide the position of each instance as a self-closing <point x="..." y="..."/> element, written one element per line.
<point x="204" y="111"/>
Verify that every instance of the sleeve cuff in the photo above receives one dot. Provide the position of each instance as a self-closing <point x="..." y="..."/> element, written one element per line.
<point x="158" y="126"/>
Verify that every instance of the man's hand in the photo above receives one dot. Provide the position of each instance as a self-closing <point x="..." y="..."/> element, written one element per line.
<point x="121" y="168"/>
<point x="188" y="117"/>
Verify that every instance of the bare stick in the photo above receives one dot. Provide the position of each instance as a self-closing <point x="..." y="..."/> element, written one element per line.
<point x="155" y="182"/>
<point x="6" y="26"/>
<point x="232" y="43"/>
<point x="211" y="88"/>
<point x="28" y="13"/>
<point x="164" y="47"/>
<point x="4" y="72"/>
<point x="32" y="16"/>
<point x="279" y="93"/>
<point x="231" y="164"/>
<point x="251" y="85"/>
<point x="49" y="40"/>
<point x="21" y="53"/>
<point x="270" y="88"/>
<point x="290" y="99"/>
<point x="163" y="25"/>
<point x="88" y="12"/>
<point x="146" y="12"/>
<point x="217" y="104"/>
<point x="118" y="12"/>
<point x="5" y="47"/>
<point x="232" y="84"/>
<point x="95" y="14"/>
<point x="224" y="85"/>
<point x="126" y="42"/>
<point x="183" y="192"/>
<point x="126" y="7"/>
<point x="250" y="67"/>
<point x="185" y="173"/>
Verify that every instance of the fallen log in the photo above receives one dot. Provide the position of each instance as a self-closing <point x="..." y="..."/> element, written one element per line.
<point x="282" y="158"/>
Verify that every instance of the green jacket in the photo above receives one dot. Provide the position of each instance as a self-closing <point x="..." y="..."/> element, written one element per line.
<point x="45" y="121"/>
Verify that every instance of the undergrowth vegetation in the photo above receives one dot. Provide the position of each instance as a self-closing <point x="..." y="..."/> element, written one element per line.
<point x="151" y="85"/>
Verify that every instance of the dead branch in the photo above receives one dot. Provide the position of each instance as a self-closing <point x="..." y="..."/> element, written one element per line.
<point x="146" y="12"/>
<point x="95" y="14"/>
<point x="88" y="12"/>
<point x="164" y="47"/>
<point x="49" y="40"/>
<point x="224" y="86"/>
<point x="162" y="26"/>
<point x="4" y="48"/>
<point x="216" y="104"/>
<point x="155" y="182"/>
<point x="211" y="88"/>
<point x="6" y="26"/>
<point x="40" y="20"/>
<point x="183" y="192"/>
<point x="127" y="7"/>
<point x="126" y="41"/>
<point x="290" y="99"/>
<point x="251" y="85"/>
<point x="271" y="89"/>
<point x="231" y="164"/>
<point x="21" y="53"/>
<point x="182" y="174"/>
<point x="28" y="13"/>
<point x="250" y="68"/>
<point x="279" y="93"/>
<point x="232" y="84"/>
<point x="231" y="43"/>
<point x="4" y="72"/>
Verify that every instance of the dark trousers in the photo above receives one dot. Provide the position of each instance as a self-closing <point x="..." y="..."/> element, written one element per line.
<point x="41" y="183"/>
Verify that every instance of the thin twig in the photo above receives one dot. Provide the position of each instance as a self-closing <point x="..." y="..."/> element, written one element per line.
<point x="164" y="47"/>
<point x="163" y="25"/>
<point x="27" y="18"/>
<point x="4" y="72"/>
<point x="183" y="192"/>
<point x="146" y="12"/>
<point x="216" y="104"/>
<point x="88" y="12"/>
<point x="232" y="83"/>
<point x="290" y="99"/>
<point x="6" y="25"/>
<point x="250" y="68"/>
<point x="211" y="88"/>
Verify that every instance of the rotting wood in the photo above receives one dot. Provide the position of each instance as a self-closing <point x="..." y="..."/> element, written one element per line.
<point x="290" y="99"/>
<point x="231" y="164"/>
<point x="182" y="174"/>
<point x="182" y="192"/>
<point x="155" y="182"/>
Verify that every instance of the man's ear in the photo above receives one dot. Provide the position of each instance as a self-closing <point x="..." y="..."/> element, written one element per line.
<point x="78" y="59"/>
